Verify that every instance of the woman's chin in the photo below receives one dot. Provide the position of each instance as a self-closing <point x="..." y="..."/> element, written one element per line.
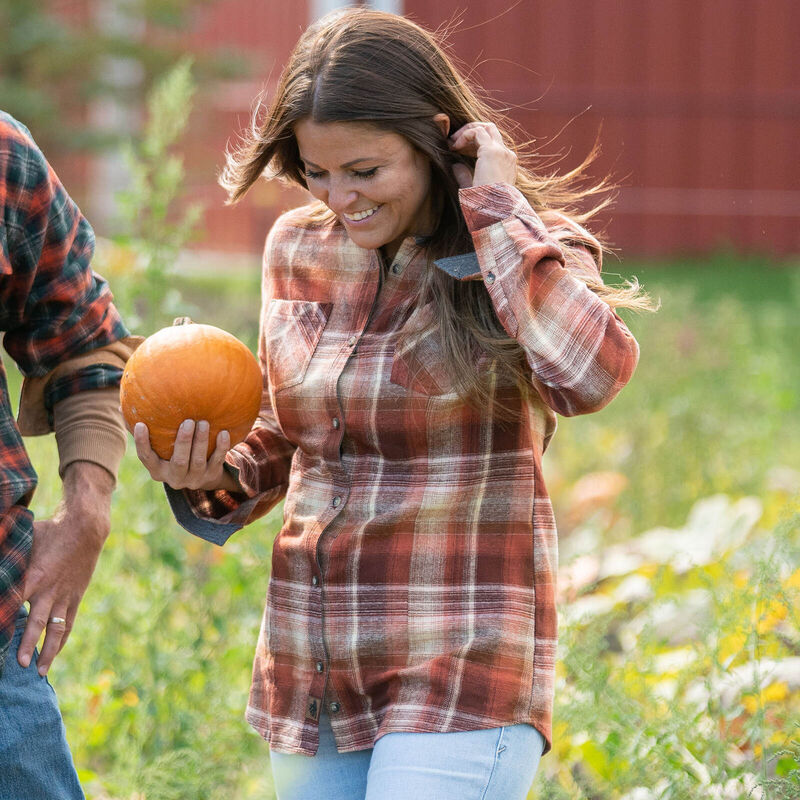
<point x="366" y="240"/>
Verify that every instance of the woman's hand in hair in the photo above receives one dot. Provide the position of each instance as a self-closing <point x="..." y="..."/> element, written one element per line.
<point x="496" y="162"/>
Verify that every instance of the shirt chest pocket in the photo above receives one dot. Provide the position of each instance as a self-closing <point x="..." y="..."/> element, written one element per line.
<point x="292" y="329"/>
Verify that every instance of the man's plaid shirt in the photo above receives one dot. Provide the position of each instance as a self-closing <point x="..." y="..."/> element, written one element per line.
<point x="52" y="308"/>
<point x="413" y="582"/>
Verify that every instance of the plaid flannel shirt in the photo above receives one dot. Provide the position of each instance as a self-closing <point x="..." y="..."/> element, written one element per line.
<point x="52" y="308"/>
<point x="413" y="581"/>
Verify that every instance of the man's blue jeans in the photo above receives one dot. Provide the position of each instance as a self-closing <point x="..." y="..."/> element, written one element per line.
<point x="35" y="762"/>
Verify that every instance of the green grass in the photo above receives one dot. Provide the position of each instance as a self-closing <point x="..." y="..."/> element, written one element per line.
<point x="154" y="681"/>
<point x="713" y="405"/>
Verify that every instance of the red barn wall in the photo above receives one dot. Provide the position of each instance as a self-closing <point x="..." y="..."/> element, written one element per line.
<point x="265" y="33"/>
<point x="696" y="102"/>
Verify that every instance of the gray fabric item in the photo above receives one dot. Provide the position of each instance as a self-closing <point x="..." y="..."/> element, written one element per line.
<point x="461" y="266"/>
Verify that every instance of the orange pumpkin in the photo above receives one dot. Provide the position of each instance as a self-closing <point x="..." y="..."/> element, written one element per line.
<point x="191" y="371"/>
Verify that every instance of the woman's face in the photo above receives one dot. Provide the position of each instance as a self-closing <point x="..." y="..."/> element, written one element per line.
<point x="372" y="179"/>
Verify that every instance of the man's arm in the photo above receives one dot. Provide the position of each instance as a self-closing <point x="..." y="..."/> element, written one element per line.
<point x="64" y="333"/>
<point x="65" y="551"/>
<point x="91" y="437"/>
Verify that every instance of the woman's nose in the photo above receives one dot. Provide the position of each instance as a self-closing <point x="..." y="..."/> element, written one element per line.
<point x="340" y="196"/>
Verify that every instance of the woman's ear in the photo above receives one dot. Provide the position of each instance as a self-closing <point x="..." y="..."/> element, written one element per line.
<point x="443" y="123"/>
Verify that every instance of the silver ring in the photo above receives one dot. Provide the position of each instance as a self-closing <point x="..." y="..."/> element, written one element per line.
<point x="57" y="620"/>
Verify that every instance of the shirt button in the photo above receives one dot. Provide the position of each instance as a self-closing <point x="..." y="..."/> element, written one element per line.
<point x="337" y="501"/>
<point x="314" y="580"/>
<point x="396" y="269"/>
<point x="319" y="666"/>
<point x="334" y="707"/>
<point x="351" y="341"/>
<point x="490" y="278"/>
<point x="335" y="423"/>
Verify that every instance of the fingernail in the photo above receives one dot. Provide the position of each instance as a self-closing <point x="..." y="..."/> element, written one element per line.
<point x="202" y="426"/>
<point x="186" y="424"/>
<point x="25" y="661"/>
<point x="43" y="671"/>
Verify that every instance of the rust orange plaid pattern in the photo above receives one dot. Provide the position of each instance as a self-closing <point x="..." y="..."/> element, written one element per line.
<point x="413" y="581"/>
<point x="52" y="307"/>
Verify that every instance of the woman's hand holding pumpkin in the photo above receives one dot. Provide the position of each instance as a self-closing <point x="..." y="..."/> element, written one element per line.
<point x="188" y="467"/>
<point x="496" y="162"/>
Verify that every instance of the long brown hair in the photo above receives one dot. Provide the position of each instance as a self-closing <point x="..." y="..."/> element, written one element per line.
<point x="363" y="65"/>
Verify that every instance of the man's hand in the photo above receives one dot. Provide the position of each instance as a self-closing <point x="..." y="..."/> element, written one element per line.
<point x="65" y="551"/>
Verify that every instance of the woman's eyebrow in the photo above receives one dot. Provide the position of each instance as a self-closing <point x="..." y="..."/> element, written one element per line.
<point x="349" y="164"/>
<point x="358" y="161"/>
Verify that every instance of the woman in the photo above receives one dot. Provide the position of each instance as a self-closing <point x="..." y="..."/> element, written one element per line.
<point x="409" y="638"/>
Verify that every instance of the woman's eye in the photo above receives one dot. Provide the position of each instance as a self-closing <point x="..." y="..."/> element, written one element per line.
<point x="310" y="174"/>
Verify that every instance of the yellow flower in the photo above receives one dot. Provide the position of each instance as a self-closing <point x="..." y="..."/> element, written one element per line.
<point x="774" y="693"/>
<point x="130" y="698"/>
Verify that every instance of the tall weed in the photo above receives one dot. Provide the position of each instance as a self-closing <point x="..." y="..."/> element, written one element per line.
<point x="156" y="220"/>
<point x="684" y="684"/>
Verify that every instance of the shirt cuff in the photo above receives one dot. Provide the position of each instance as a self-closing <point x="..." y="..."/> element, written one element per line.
<point x="33" y="418"/>
<point x="486" y="205"/>
<point x="210" y="530"/>
<point x="89" y="427"/>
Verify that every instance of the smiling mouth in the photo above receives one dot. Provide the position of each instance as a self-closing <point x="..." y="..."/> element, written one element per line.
<point x="359" y="215"/>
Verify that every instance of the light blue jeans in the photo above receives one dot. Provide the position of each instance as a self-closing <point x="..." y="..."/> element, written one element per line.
<point x="493" y="764"/>
<point x="35" y="761"/>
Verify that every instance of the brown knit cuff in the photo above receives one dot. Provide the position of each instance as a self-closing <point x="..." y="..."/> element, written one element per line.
<point x="33" y="419"/>
<point x="89" y="427"/>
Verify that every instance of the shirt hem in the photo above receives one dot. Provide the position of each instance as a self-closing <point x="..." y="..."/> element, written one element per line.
<point x="288" y="744"/>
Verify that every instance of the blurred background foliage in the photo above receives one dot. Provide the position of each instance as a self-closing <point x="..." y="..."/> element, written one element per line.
<point x="679" y="673"/>
<point x="55" y="65"/>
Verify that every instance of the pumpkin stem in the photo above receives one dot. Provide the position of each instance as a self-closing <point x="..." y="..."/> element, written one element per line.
<point x="182" y="321"/>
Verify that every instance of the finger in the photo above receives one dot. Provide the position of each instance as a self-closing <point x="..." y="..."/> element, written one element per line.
<point x="70" y="615"/>
<point x="471" y="127"/>
<point x="493" y="132"/>
<point x="221" y="449"/>
<point x="54" y="634"/>
<point x="463" y="141"/>
<point x="198" y="457"/>
<point x="483" y="133"/>
<point x="469" y="140"/>
<point x="482" y="136"/>
<point x="179" y="463"/>
<point x="34" y="625"/>
<point x="465" y="128"/>
<point x="146" y="454"/>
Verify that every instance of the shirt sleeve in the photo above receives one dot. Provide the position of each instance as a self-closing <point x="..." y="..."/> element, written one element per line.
<point x="261" y="463"/>
<point x="580" y="352"/>
<point x="89" y="427"/>
<point x="53" y="307"/>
